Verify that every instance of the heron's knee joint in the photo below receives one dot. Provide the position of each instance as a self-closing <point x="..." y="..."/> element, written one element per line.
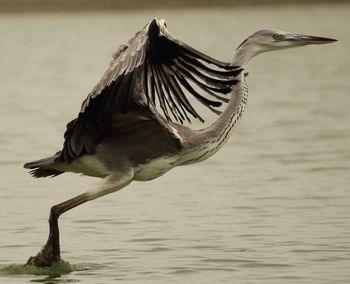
<point x="54" y="212"/>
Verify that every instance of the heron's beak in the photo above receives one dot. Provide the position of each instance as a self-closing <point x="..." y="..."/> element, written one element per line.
<point x="306" y="39"/>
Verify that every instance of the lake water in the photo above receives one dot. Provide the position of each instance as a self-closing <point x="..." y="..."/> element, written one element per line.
<point x="273" y="206"/>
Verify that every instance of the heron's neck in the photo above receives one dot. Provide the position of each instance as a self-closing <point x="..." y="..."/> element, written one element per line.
<point x="245" y="52"/>
<point x="209" y="140"/>
<point x="222" y="128"/>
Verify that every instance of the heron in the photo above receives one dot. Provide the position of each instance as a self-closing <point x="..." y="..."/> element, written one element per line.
<point x="131" y="125"/>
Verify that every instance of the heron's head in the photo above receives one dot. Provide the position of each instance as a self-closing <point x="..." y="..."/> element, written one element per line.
<point x="269" y="40"/>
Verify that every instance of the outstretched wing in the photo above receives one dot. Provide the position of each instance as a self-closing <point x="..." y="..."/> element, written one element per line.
<point x="153" y="67"/>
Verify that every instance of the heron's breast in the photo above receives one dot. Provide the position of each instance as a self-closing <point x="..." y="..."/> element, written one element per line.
<point x="155" y="168"/>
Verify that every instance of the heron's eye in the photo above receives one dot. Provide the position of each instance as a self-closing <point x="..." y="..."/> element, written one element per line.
<point x="277" y="37"/>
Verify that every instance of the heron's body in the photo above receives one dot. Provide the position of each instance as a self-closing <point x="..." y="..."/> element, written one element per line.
<point x="120" y="135"/>
<point x="181" y="145"/>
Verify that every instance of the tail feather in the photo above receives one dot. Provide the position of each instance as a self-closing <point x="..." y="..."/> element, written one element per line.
<point x="41" y="168"/>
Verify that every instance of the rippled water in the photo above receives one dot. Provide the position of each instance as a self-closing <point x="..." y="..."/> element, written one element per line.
<point x="273" y="206"/>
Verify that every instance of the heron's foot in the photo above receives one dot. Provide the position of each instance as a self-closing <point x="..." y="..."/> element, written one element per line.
<point x="49" y="255"/>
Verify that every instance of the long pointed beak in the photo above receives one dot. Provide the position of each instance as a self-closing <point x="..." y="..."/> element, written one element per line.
<point x="307" y="39"/>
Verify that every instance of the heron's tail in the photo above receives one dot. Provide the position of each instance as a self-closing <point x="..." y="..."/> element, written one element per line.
<point x="41" y="168"/>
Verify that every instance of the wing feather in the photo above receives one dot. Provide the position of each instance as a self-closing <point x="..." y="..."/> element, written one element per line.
<point x="180" y="112"/>
<point x="160" y="93"/>
<point x="178" y="93"/>
<point x="153" y="66"/>
<point x="220" y="73"/>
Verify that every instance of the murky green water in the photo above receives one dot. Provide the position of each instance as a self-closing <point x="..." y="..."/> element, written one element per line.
<point x="273" y="206"/>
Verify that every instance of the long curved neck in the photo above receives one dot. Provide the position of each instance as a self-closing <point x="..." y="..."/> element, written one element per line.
<point x="206" y="142"/>
<point x="221" y="129"/>
<point x="209" y="140"/>
<point x="234" y="110"/>
<point x="239" y="95"/>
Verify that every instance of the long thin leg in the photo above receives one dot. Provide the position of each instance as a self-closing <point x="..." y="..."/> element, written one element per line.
<point x="50" y="253"/>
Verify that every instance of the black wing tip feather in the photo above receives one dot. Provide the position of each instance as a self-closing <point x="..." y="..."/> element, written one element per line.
<point x="185" y="63"/>
<point x="153" y="27"/>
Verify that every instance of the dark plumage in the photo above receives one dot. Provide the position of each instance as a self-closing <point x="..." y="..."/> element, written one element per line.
<point x="153" y="67"/>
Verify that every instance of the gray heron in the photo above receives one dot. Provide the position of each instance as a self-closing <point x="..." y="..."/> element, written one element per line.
<point x="130" y="127"/>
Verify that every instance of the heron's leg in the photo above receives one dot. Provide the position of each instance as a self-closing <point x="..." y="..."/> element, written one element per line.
<point x="50" y="253"/>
